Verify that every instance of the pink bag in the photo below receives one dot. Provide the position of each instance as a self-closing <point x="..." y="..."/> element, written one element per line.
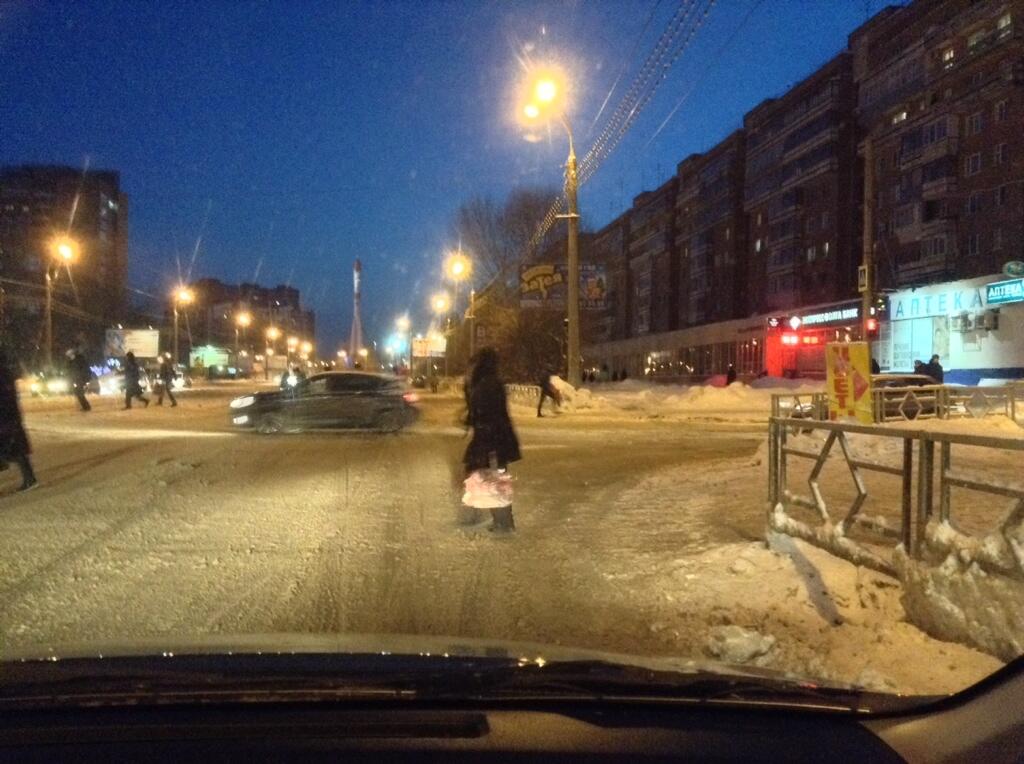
<point x="488" y="489"/>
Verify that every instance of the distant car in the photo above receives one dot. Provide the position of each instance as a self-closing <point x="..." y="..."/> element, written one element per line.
<point x="112" y="383"/>
<point x="43" y="385"/>
<point x="332" y="400"/>
<point x="419" y="381"/>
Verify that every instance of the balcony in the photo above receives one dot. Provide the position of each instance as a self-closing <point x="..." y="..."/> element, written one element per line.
<point x="938" y="188"/>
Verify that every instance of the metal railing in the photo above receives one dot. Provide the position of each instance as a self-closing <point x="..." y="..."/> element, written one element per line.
<point x="926" y="513"/>
<point x="910" y="403"/>
<point x="525" y="394"/>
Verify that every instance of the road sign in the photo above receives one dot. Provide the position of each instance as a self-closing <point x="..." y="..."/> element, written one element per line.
<point x="862" y="278"/>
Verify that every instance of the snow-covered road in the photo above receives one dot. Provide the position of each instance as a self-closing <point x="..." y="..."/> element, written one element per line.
<point x="634" y="535"/>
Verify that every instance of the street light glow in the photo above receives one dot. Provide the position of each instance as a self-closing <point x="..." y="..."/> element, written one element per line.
<point x="65" y="248"/>
<point x="307" y="347"/>
<point x="530" y="111"/>
<point x="363" y="352"/>
<point x="243" y="319"/>
<point x="293" y="342"/>
<point x="273" y="333"/>
<point x="184" y="295"/>
<point x="440" y="302"/>
<point x="545" y="90"/>
<point x="342" y="354"/>
<point x="403" y="323"/>
<point x="458" y="266"/>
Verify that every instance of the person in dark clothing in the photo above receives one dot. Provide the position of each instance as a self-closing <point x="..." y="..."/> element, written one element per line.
<point x="132" y="381"/>
<point x="494" y="444"/>
<point x="547" y="390"/>
<point x="81" y="374"/>
<point x="934" y="369"/>
<point x="875" y="368"/>
<point x="167" y="377"/>
<point x="919" y="367"/>
<point x="624" y="376"/>
<point x="14" y="445"/>
<point x="730" y="375"/>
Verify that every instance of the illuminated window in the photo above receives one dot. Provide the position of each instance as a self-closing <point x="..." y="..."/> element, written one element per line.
<point x="948" y="58"/>
<point x="757" y="245"/>
<point x="898" y="117"/>
<point x="975" y="40"/>
<point x="812" y="253"/>
<point x="1004" y="27"/>
<point x="825" y="250"/>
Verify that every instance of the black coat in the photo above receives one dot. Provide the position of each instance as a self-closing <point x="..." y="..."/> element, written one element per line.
<point x="13" y="440"/>
<point x="80" y="371"/>
<point x="131" y="378"/>
<point x="167" y="373"/>
<point x="492" y="427"/>
<point x="934" y="370"/>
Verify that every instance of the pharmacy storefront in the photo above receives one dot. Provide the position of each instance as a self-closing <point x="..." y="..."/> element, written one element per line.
<point x="976" y="326"/>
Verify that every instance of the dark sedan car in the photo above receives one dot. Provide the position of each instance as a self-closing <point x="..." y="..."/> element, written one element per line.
<point x="332" y="400"/>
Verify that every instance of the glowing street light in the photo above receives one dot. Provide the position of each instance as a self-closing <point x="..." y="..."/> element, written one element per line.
<point x="64" y="251"/>
<point x="364" y="353"/>
<point x="242" y="321"/>
<point x="182" y="296"/>
<point x="402" y="323"/>
<point x="307" y="347"/>
<point x="546" y="100"/>
<point x="272" y="334"/>
<point x="343" y="354"/>
<point x="440" y="303"/>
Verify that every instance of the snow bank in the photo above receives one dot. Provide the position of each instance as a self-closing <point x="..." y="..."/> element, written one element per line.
<point x="734" y="644"/>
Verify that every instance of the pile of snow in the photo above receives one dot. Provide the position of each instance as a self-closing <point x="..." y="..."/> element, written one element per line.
<point x="690" y="400"/>
<point x="734" y="644"/>
<point x="572" y="398"/>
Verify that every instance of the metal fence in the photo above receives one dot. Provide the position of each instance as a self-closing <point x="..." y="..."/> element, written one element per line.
<point x="524" y="394"/>
<point x="910" y="403"/>
<point x="926" y="485"/>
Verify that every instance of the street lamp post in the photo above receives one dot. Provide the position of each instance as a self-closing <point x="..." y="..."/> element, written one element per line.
<point x="459" y="268"/>
<point x="182" y="296"/>
<point x="441" y="304"/>
<point x="242" y="321"/>
<point x="272" y="334"/>
<point x="63" y="250"/>
<point x="545" y="95"/>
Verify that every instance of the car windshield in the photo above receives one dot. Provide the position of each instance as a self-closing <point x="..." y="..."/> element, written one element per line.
<point x="675" y="332"/>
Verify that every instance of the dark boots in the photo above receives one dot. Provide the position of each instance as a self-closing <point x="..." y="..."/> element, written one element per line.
<point x="503" y="522"/>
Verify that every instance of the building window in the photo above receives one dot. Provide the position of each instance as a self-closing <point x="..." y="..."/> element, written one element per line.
<point x="759" y="218"/>
<point x="905" y="216"/>
<point x="1002" y="196"/>
<point x="974" y="123"/>
<point x="973" y="164"/>
<point x="812" y="253"/>
<point x="948" y="58"/>
<point x="999" y="154"/>
<point x="1002" y="110"/>
<point x="973" y="203"/>
<point x="757" y="245"/>
<point x="974" y="244"/>
<point x="977" y="78"/>
<point x="824" y="249"/>
<point x="728" y="233"/>
<point x="997" y="238"/>
<point x="975" y="40"/>
<point x="934" y="247"/>
<point x="900" y="116"/>
<point x="1004" y="27"/>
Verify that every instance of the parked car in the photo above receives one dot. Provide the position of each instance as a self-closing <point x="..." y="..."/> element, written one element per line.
<point x="332" y="400"/>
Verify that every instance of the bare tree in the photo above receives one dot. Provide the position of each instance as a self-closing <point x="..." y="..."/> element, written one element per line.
<point x="497" y="235"/>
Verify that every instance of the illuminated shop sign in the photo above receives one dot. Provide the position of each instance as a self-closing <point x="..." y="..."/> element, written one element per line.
<point x="1003" y="292"/>
<point x="830" y="316"/>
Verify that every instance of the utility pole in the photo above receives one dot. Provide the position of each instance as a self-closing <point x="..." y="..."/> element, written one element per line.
<point x="472" y="323"/>
<point x="49" y="319"/>
<point x="571" y="185"/>
<point x="866" y="276"/>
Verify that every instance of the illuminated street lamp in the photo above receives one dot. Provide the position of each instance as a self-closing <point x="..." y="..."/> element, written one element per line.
<point x="63" y="251"/>
<point x="273" y="334"/>
<point x="242" y="321"/>
<point x="460" y="268"/>
<point x="182" y="296"/>
<point x="307" y="348"/>
<point x="545" y="100"/>
<point x="440" y="303"/>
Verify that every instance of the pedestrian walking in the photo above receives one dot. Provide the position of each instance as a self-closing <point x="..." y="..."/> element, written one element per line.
<point x="493" y="445"/>
<point x="547" y="390"/>
<point x="934" y="369"/>
<point x="81" y="375"/>
<point x="14" y="445"/>
<point x="167" y="376"/>
<point x="132" y="381"/>
<point x="730" y="375"/>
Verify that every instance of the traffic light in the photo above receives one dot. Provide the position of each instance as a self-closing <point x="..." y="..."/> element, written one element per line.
<point x="871" y="327"/>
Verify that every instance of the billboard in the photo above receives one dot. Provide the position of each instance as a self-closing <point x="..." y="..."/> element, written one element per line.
<point x="144" y="343"/>
<point x="544" y="285"/>
<point x="429" y="347"/>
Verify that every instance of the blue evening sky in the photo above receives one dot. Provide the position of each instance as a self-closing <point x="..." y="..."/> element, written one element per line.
<point x="297" y="135"/>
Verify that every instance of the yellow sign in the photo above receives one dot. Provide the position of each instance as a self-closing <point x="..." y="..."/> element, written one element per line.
<point x="848" y="381"/>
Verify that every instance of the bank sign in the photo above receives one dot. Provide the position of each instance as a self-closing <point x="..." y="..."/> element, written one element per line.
<point x="1003" y="292"/>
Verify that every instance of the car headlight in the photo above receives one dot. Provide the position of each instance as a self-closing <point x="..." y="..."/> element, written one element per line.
<point x="241" y="403"/>
<point x="36" y="387"/>
<point x="57" y="385"/>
